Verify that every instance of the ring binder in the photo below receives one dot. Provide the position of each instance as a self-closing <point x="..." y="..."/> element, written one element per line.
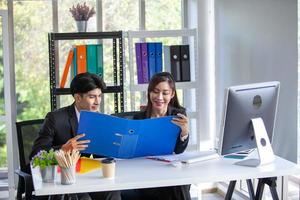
<point x="123" y="138"/>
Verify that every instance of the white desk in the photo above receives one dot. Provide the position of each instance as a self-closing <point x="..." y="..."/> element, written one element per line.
<point x="145" y="173"/>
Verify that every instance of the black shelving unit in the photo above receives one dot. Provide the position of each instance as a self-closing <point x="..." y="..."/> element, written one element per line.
<point x="117" y="88"/>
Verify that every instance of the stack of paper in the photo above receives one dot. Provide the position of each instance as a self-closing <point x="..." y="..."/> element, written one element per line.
<point x="187" y="157"/>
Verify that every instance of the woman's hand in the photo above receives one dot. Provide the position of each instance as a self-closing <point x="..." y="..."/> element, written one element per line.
<point x="73" y="143"/>
<point x="182" y="122"/>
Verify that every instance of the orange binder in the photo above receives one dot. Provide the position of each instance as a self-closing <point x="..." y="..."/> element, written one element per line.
<point x="81" y="59"/>
<point x="66" y="69"/>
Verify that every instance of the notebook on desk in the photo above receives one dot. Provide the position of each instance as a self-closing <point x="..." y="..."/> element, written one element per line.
<point x="187" y="157"/>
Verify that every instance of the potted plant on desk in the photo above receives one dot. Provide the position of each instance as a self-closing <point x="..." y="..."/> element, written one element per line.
<point x="81" y="13"/>
<point x="46" y="161"/>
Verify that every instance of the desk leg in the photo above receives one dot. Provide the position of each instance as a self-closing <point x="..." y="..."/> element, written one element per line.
<point x="260" y="189"/>
<point x="271" y="182"/>
<point x="250" y="189"/>
<point x="230" y="190"/>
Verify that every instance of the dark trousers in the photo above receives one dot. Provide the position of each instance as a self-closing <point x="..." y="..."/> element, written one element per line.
<point x="111" y="195"/>
<point x="181" y="192"/>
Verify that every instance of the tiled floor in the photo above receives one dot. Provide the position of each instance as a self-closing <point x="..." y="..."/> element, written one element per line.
<point x="293" y="195"/>
<point x="214" y="196"/>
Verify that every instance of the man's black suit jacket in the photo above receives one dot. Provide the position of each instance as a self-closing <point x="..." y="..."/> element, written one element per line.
<point x="180" y="145"/>
<point x="59" y="126"/>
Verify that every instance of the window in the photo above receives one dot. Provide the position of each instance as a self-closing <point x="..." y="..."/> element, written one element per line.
<point x="66" y="23"/>
<point x="3" y="158"/>
<point x="161" y="16"/>
<point x="114" y="12"/>
<point x="31" y="26"/>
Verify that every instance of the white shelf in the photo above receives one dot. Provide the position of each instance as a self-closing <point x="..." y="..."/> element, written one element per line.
<point x="154" y="34"/>
<point x="165" y="33"/>
<point x="187" y="36"/>
<point x="179" y="85"/>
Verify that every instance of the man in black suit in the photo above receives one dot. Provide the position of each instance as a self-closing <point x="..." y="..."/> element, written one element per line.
<point x="59" y="130"/>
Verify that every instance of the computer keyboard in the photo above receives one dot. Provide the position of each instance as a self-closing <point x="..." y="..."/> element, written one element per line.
<point x="199" y="156"/>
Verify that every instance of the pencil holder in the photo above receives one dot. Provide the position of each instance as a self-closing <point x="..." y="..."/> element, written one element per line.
<point x="68" y="175"/>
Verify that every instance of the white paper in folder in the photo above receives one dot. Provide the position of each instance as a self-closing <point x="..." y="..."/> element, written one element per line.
<point x="188" y="157"/>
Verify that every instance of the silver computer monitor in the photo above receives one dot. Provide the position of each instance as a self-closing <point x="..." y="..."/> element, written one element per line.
<point x="243" y="103"/>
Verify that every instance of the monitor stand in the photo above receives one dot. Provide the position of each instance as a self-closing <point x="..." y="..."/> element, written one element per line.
<point x="264" y="148"/>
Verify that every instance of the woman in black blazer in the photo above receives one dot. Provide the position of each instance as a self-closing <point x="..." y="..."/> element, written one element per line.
<point x="163" y="101"/>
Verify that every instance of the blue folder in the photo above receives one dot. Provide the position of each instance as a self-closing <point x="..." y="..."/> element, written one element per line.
<point x="124" y="138"/>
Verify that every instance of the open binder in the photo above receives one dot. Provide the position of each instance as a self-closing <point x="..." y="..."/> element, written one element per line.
<point x="124" y="138"/>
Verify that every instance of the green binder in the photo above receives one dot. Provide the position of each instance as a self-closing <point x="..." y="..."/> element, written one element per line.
<point x="92" y="58"/>
<point x="74" y="64"/>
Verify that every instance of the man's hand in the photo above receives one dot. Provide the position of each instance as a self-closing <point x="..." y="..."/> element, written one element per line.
<point x="73" y="144"/>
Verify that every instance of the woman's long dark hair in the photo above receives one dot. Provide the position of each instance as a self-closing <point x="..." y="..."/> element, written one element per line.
<point x="155" y="80"/>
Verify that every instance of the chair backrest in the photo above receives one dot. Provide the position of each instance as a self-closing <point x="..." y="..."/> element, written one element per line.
<point x="27" y="132"/>
<point x="127" y="115"/>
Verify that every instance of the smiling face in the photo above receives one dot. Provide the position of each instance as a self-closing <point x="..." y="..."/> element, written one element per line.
<point x="161" y="96"/>
<point x="88" y="101"/>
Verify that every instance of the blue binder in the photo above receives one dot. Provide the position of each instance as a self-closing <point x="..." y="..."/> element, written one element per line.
<point x="124" y="138"/>
<point x="158" y="57"/>
<point x="151" y="59"/>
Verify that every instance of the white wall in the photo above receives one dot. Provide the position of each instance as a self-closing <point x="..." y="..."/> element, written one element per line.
<point x="257" y="41"/>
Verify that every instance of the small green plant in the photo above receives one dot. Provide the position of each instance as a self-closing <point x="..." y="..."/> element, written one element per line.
<point x="82" y="12"/>
<point x="44" y="159"/>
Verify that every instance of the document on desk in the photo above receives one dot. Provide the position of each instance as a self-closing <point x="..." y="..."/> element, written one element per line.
<point x="187" y="157"/>
<point x="124" y="138"/>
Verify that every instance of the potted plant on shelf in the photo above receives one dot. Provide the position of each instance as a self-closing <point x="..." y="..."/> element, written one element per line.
<point x="46" y="161"/>
<point x="81" y="13"/>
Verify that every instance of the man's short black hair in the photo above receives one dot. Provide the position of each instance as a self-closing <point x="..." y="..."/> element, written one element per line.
<point x="85" y="82"/>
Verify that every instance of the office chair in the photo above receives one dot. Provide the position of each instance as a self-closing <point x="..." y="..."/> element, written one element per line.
<point x="127" y="115"/>
<point x="27" y="131"/>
